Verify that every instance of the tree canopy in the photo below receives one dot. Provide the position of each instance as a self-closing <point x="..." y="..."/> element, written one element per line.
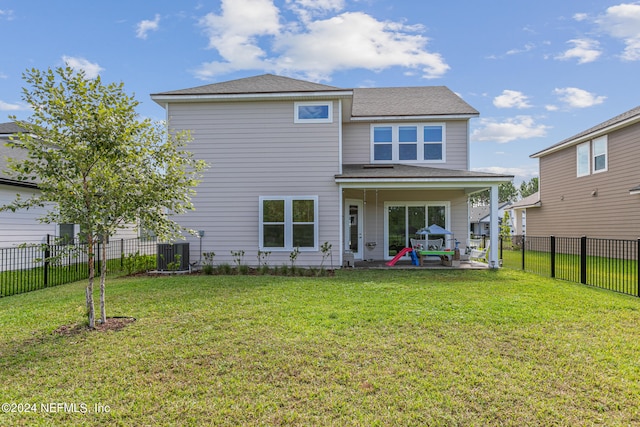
<point x="97" y="163"/>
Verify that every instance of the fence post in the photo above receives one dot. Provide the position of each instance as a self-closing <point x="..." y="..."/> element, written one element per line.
<point x="553" y="256"/>
<point x="47" y="254"/>
<point x="121" y="253"/>
<point x="523" y="246"/>
<point x="638" y="267"/>
<point x="583" y="260"/>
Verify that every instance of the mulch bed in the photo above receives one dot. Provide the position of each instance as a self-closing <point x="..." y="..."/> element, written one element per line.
<point x="112" y="324"/>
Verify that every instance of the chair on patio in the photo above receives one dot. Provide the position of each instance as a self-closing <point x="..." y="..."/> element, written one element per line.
<point x="479" y="254"/>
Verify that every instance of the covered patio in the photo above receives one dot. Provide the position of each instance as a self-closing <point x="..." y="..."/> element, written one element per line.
<point x="385" y="205"/>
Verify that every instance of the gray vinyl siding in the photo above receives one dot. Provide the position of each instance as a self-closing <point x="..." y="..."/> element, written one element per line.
<point x="255" y="149"/>
<point x="567" y="205"/>
<point x="357" y="144"/>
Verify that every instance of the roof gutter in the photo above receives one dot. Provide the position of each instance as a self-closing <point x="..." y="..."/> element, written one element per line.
<point x="424" y="117"/>
<point x="587" y="137"/>
<point x="163" y="99"/>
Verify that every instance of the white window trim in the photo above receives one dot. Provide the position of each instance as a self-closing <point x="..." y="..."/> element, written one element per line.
<point x="606" y="154"/>
<point x="296" y="111"/>
<point x="395" y="143"/>
<point x="588" y="169"/>
<point x="591" y="156"/>
<point x="288" y="223"/>
<point x="447" y="218"/>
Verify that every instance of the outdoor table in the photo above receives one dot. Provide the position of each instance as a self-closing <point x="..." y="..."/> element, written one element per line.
<point x="442" y="254"/>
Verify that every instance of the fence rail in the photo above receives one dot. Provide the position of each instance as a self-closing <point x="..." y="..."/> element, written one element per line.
<point x="611" y="264"/>
<point x="32" y="267"/>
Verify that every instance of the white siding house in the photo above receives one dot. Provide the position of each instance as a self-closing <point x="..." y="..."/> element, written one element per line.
<point x="295" y="164"/>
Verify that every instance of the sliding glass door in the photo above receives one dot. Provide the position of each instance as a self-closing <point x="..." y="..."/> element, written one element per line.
<point x="404" y="219"/>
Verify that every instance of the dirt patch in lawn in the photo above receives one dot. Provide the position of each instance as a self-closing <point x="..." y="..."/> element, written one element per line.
<point x="112" y="324"/>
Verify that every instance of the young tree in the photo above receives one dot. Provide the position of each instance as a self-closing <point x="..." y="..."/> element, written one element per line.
<point x="506" y="193"/>
<point x="98" y="165"/>
<point x="528" y="188"/>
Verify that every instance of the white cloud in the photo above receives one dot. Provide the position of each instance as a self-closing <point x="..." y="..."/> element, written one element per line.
<point x="511" y="99"/>
<point x="90" y="69"/>
<point x="585" y="50"/>
<point x="312" y="48"/>
<point x="551" y="107"/>
<point x="578" y="98"/>
<point x="6" y="14"/>
<point x="623" y="22"/>
<point x="511" y="129"/>
<point x="580" y="17"/>
<point x="5" y="106"/>
<point x="143" y="27"/>
<point x="528" y="47"/>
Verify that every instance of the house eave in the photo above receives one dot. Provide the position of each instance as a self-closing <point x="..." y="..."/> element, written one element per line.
<point x="13" y="183"/>
<point x="477" y="184"/>
<point x="587" y="137"/>
<point x="420" y="117"/>
<point x="162" y="100"/>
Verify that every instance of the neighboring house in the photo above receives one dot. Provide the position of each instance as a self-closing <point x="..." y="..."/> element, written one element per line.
<point x="589" y="183"/>
<point x="23" y="226"/>
<point x="18" y="227"/>
<point x="519" y="212"/>
<point x="295" y="164"/>
<point x="480" y="218"/>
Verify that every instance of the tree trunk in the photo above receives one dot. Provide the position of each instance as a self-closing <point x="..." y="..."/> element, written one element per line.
<point x="103" y="277"/>
<point x="89" y="291"/>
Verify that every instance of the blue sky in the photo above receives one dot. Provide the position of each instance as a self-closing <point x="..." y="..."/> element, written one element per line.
<point x="538" y="72"/>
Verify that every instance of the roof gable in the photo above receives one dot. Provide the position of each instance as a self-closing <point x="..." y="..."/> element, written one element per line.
<point x="265" y="83"/>
<point x="409" y="101"/>
<point x="619" y="120"/>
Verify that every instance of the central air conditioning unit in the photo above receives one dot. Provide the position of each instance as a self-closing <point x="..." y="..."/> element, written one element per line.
<point x="173" y="257"/>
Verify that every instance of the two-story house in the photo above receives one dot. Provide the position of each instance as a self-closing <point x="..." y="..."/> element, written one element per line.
<point x="589" y="183"/>
<point x="295" y="164"/>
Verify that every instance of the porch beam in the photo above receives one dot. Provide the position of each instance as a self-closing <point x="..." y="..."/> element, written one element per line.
<point x="494" y="229"/>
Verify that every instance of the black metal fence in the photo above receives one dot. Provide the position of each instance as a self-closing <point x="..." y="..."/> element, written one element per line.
<point x="31" y="267"/>
<point x="611" y="264"/>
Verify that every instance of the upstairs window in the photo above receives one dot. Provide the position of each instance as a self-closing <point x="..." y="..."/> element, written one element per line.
<point x="592" y="156"/>
<point x="583" y="153"/>
<point x="313" y="112"/>
<point x="600" y="154"/>
<point x="408" y="143"/>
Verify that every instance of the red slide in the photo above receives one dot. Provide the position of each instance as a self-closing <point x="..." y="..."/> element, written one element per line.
<point x="397" y="257"/>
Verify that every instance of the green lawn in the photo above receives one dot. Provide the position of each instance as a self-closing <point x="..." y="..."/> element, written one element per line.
<point x="618" y="275"/>
<point x="363" y="348"/>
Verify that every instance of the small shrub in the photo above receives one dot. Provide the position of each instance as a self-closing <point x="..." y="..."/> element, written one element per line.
<point x="225" y="269"/>
<point x="207" y="266"/>
<point x="238" y="257"/>
<point x="293" y="256"/>
<point x="136" y="263"/>
<point x="264" y="270"/>
<point x="243" y="269"/>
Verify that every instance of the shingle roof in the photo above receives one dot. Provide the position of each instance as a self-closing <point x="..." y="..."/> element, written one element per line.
<point x="409" y="101"/>
<point x="266" y="83"/>
<point x="360" y="171"/>
<point x="9" y="128"/>
<point x="634" y="112"/>
<point x="367" y="102"/>
<point x="531" y="201"/>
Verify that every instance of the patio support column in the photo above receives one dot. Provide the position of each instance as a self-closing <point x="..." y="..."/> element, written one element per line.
<point x="494" y="229"/>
